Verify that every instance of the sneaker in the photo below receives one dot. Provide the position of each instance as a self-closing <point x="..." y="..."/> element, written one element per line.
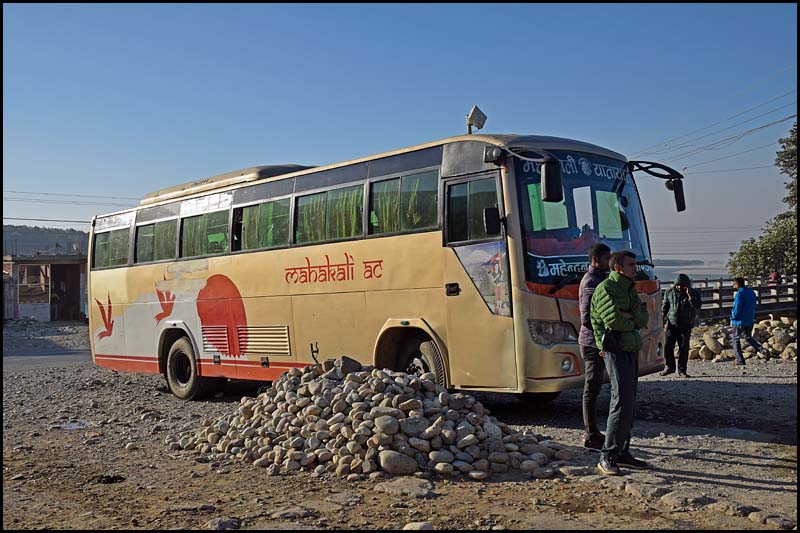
<point x="608" y="467"/>
<point x="594" y="442"/>
<point x="666" y="372"/>
<point x="626" y="459"/>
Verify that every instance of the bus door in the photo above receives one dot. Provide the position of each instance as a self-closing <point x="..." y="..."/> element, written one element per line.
<point x="480" y="336"/>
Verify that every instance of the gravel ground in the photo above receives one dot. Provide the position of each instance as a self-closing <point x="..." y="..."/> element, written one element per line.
<point x="83" y="447"/>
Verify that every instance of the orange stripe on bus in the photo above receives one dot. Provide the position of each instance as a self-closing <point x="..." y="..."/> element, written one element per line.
<point x="126" y="364"/>
<point x="570" y="292"/>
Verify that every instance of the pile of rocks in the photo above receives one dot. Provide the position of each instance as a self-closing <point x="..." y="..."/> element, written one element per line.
<point x="779" y="337"/>
<point x="29" y="333"/>
<point x="352" y="420"/>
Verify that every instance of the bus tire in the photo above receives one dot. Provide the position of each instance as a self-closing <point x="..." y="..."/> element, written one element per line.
<point x="537" y="398"/>
<point x="182" y="372"/>
<point x="420" y="358"/>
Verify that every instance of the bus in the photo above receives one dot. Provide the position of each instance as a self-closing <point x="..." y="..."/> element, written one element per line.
<point x="459" y="257"/>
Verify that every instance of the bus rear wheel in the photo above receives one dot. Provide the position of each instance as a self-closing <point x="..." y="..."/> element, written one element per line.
<point x="422" y="357"/>
<point x="182" y="372"/>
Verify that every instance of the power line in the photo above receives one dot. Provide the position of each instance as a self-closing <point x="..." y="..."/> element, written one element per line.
<point x="728" y="170"/>
<point x="644" y="151"/>
<point x="730" y="140"/>
<point x="47" y="220"/>
<point x="729" y="156"/>
<point x="71" y="202"/>
<point x="687" y="143"/>
<point x="76" y="195"/>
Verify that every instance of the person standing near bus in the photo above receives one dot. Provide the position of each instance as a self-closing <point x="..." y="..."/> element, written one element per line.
<point x="679" y="312"/>
<point x="617" y="315"/>
<point x="599" y="255"/>
<point x="743" y="316"/>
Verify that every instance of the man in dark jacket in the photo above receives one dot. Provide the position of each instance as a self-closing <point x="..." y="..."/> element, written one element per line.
<point x="679" y="311"/>
<point x="743" y="316"/>
<point x="599" y="255"/>
<point x="617" y="315"/>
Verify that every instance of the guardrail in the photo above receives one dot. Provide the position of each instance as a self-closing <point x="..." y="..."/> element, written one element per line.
<point x="718" y="294"/>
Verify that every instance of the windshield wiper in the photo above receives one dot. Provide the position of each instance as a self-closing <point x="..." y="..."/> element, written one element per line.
<point x="645" y="263"/>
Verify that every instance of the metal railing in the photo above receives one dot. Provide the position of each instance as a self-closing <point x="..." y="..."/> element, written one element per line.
<point x="718" y="294"/>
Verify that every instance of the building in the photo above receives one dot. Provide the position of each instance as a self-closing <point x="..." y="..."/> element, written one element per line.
<point x="44" y="287"/>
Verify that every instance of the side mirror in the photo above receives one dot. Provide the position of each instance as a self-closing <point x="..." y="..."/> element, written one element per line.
<point x="676" y="186"/>
<point x="491" y="220"/>
<point x="551" y="182"/>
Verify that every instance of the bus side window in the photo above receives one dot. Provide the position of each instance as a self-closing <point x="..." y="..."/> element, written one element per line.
<point x="465" y="205"/>
<point x="264" y="225"/>
<point x="111" y="248"/>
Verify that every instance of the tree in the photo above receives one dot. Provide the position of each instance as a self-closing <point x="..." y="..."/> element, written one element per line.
<point x="776" y="248"/>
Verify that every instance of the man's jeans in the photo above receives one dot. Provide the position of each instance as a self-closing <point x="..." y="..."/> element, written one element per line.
<point x="623" y="374"/>
<point x="680" y="336"/>
<point x="743" y="332"/>
<point x="591" y="388"/>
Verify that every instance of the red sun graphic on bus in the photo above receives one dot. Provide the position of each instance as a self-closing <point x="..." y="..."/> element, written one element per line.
<point x="220" y="304"/>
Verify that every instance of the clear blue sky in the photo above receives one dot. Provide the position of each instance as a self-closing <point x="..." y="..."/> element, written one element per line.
<point x="120" y="100"/>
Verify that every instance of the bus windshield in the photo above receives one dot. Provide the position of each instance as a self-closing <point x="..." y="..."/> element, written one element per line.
<point x="600" y="204"/>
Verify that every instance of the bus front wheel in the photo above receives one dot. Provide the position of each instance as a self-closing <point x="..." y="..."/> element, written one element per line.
<point x="182" y="375"/>
<point x="421" y="358"/>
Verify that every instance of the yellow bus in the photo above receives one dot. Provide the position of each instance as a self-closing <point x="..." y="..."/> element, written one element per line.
<point x="459" y="257"/>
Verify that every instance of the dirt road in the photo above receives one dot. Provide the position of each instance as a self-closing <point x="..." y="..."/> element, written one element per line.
<point x="83" y="447"/>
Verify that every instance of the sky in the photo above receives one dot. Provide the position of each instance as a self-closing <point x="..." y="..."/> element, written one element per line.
<point x="120" y="100"/>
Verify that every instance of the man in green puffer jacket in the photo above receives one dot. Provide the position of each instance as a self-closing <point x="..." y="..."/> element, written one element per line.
<point x="617" y="314"/>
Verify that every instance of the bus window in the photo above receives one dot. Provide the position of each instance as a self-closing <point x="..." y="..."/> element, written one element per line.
<point x="310" y="226"/>
<point x="344" y="209"/>
<point x="546" y="215"/>
<point x="261" y="226"/>
<point x="111" y="248"/>
<point x="466" y="202"/>
<point x="205" y="234"/>
<point x="384" y="207"/>
<point x="418" y="200"/>
<point x="156" y="242"/>
<point x="609" y="221"/>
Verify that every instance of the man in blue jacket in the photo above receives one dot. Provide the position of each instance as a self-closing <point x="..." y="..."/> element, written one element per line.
<point x="743" y="316"/>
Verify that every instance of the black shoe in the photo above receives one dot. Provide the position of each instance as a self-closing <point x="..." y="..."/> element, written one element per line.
<point x="738" y="363"/>
<point x="626" y="459"/>
<point x="666" y="372"/>
<point x="608" y="467"/>
<point x="594" y="442"/>
<point x="684" y="375"/>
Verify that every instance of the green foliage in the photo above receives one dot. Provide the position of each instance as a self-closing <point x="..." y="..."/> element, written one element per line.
<point x="776" y="248"/>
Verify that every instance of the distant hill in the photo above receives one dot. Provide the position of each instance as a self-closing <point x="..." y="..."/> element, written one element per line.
<point x="27" y="240"/>
<point x="677" y="262"/>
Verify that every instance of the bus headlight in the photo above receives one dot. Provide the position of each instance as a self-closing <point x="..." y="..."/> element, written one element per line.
<point x="551" y="332"/>
<point x="567" y="365"/>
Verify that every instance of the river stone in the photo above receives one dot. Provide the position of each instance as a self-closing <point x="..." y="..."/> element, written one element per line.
<point x="387" y="425"/>
<point x="412" y="427"/>
<point x="347" y="365"/>
<point x="706" y="353"/>
<point x="441" y="456"/>
<point x="478" y="475"/>
<point x="407" y="486"/>
<point x="397" y="463"/>
<point x="493" y="430"/>
<point x="422" y="526"/>
<point x="420" y="444"/>
<point x="712" y="344"/>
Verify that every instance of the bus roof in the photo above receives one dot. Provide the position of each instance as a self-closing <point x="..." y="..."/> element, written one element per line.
<point x="273" y="171"/>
